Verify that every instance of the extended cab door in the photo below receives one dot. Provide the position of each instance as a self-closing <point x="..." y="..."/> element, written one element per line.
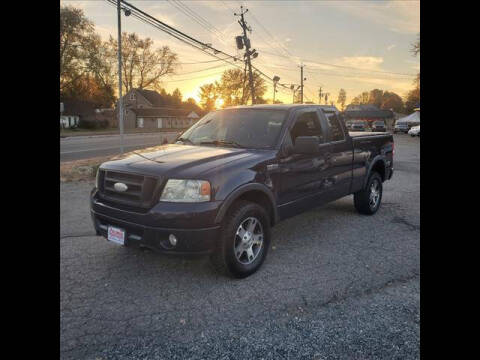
<point x="301" y="176"/>
<point x="339" y="156"/>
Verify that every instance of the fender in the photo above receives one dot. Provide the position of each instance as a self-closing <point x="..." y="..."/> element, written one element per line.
<point x="374" y="161"/>
<point x="234" y="195"/>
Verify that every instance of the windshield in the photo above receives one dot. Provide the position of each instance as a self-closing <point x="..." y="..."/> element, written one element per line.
<point x="249" y="128"/>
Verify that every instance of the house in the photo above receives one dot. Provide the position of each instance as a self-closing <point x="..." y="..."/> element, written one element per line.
<point x="72" y="111"/>
<point x="368" y="113"/>
<point x="160" y="118"/>
<point x="148" y="109"/>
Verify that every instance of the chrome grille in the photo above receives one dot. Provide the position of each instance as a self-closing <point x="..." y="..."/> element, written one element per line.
<point x="140" y="191"/>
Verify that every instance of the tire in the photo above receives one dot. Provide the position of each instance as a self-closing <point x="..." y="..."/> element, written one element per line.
<point x="243" y="262"/>
<point x="362" y="200"/>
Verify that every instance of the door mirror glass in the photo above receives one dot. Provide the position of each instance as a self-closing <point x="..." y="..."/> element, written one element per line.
<point x="306" y="145"/>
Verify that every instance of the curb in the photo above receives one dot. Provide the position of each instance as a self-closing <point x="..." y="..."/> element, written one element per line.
<point x="112" y="135"/>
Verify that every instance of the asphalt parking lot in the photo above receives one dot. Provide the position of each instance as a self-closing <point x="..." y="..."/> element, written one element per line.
<point x="335" y="285"/>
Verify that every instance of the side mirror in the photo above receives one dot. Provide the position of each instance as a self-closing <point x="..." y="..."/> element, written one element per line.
<point x="306" y="145"/>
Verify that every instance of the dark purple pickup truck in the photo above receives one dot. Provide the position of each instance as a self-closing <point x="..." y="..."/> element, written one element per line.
<point x="232" y="176"/>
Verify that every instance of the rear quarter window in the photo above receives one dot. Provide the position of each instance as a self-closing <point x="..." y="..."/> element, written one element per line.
<point x="336" y="131"/>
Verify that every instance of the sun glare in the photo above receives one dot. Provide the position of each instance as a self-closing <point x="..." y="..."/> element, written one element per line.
<point x="219" y="103"/>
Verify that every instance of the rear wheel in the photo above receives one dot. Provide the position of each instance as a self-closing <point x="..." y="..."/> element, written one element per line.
<point x="244" y="240"/>
<point x="367" y="201"/>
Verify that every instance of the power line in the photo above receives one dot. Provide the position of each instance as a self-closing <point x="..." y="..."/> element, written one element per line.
<point x="179" y="35"/>
<point x="210" y="68"/>
<point x="198" y="77"/>
<point x="342" y="66"/>
<point x="197" y="18"/>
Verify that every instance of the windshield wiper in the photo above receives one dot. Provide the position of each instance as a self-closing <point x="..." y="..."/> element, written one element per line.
<point x="185" y="140"/>
<point x="223" y="142"/>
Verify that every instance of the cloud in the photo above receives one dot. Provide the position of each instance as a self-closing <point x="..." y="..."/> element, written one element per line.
<point x="397" y="16"/>
<point x="390" y="47"/>
<point x="361" y="62"/>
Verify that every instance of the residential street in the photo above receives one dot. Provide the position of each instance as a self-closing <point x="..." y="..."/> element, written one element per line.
<point x="335" y="284"/>
<point x="84" y="147"/>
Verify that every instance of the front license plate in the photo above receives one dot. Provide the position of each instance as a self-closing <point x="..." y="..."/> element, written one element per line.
<point x="116" y="235"/>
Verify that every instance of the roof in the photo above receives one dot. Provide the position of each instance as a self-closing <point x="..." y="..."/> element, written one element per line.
<point x="152" y="97"/>
<point x="163" y="112"/>
<point x="283" y="106"/>
<point x="362" y="107"/>
<point x="412" y="118"/>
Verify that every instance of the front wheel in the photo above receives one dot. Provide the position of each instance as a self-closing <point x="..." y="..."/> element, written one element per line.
<point x="367" y="201"/>
<point x="244" y="240"/>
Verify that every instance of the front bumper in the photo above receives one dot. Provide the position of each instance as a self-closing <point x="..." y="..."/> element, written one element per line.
<point x="192" y="224"/>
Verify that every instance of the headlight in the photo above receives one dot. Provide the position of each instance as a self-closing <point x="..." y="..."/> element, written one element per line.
<point x="186" y="191"/>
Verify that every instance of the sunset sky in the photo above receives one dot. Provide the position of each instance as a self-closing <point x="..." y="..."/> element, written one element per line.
<point x="355" y="45"/>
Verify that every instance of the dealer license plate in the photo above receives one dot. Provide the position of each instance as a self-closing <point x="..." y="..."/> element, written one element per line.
<point x="116" y="235"/>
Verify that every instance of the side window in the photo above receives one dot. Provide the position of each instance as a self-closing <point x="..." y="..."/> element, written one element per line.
<point x="306" y="124"/>
<point x="336" y="131"/>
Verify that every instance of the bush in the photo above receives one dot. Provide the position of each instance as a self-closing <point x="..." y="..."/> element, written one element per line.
<point x="92" y="124"/>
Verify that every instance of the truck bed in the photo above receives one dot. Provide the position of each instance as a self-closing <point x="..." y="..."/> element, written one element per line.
<point x="357" y="134"/>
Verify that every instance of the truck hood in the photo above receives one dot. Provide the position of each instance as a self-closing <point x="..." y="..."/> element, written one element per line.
<point x="175" y="160"/>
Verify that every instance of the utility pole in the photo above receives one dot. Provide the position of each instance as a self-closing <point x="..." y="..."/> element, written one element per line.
<point x="120" y="104"/>
<point x="276" y="79"/>
<point x="301" y="83"/>
<point x="292" y="87"/>
<point x="246" y="42"/>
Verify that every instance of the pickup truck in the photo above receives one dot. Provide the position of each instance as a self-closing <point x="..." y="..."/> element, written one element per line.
<point x="233" y="175"/>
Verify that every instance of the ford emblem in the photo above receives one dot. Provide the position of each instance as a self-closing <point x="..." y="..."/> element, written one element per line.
<point x="120" y="187"/>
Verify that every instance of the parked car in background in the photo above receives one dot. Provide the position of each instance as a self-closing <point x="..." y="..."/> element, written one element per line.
<point x="357" y="126"/>
<point x="379" y="126"/>
<point x="401" y="127"/>
<point x="414" y="131"/>
<point x="232" y="176"/>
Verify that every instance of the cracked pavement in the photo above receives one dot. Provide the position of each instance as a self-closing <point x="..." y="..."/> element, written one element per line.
<point x="335" y="285"/>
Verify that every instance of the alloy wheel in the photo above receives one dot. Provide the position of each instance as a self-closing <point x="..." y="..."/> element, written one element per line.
<point x="248" y="240"/>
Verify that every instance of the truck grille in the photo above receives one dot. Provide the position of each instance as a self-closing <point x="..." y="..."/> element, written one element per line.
<point x="141" y="191"/>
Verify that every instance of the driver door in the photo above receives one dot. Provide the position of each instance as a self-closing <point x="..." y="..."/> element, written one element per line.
<point x="302" y="175"/>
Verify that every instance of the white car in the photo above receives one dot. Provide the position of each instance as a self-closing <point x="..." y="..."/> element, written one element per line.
<point x="414" y="131"/>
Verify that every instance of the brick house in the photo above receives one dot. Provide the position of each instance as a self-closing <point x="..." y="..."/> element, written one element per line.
<point x="148" y="109"/>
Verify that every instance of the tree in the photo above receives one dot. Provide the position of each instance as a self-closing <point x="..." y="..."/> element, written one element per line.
<point x="382" y="99"/>
<point x="75" y="30"/>
<point x="392" y="101"/>
<point x="208" y="96"/>
<point x="177" y="97"/>
<point x="415" y="49"/>
<point x="143" y="66"/>
<point x="375" y="97"/>
<point x="413" y="96"/>
<point x="234" y="87"/>
<point x="85" y="71"/>
<point x="361" y="99"/>
<point x="342" y="98"/>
